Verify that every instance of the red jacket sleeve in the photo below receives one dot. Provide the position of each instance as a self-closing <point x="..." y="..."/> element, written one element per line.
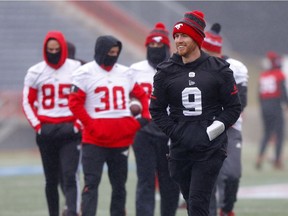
<point x="76" y="104"/>
<point x="28" y="106"/>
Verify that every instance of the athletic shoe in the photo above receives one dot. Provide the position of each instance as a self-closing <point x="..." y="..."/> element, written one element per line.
<point x="226" y="214"/>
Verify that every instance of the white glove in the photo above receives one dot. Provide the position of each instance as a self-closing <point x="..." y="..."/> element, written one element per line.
<point x="215" y="129"/>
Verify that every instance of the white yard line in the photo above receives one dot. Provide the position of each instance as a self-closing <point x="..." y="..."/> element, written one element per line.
<point x="278" y="191"/>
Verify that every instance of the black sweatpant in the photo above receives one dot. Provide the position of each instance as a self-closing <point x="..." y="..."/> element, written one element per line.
<point x="196" y="180"/>
<point x="151" y="160"/>
<point x="229" y="176"/>
<point x="273" y="124"/>
<point x="93" y="161"/>
<point x="60" y="150"/>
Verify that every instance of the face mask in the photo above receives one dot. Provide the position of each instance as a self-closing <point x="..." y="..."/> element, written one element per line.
<point x="110" y="60"/>
<point x="53" y="58"/>
<point x="156" y="55"/>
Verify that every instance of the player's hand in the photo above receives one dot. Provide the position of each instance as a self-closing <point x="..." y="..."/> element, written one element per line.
<point x="215" y="129"/>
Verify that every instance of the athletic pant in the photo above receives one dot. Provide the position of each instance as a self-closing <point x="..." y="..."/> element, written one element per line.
<point x="93" y="160"/>
<point x="196" y="180"/>
<point x="273" y="124"/>
<point x="151" y="161"/>
<point x="60" y="150"/>
<point x="228" y="180"/>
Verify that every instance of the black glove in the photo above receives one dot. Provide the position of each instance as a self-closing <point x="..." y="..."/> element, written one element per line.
<point x="143" y="121"/>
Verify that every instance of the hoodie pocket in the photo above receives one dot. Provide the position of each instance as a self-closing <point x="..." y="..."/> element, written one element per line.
<point x="194" y="136"/>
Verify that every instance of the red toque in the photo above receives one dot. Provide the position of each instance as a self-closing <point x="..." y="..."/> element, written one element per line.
<point x="158" y="34"/>
<point x="213" y="40"/>
<point x="274" y="59"/>
<point x="193" y="24"/>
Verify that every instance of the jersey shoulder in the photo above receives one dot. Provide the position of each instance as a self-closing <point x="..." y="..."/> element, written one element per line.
<point x="240" y="71"/>
<point x="120" y="68"/>
<point x="219" y="68"/>
<point x="84" y="70"/>
<point x="142" y="65"/>
<point x="73" y="63"/>
<point x="34" y="72"/>
<point x="38" y="68"/>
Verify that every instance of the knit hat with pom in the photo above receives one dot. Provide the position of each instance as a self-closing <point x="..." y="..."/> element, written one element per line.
<point x="193" y="24"/>
<point x="213" y="40"/>
<point x="158" y="34"/>
<point x="273" y="60"/>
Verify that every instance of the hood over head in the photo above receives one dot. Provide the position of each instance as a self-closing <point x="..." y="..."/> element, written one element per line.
<point x="102" y="47"/>
<point x="57" y="35"/>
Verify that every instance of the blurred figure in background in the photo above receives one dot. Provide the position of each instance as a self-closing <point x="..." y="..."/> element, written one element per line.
<point x="229" y="177"/>
<point x="151" y="144"/>
<point x="273" y="99"/>
<point x="45" y="104"/>
<point x="72" y="52"/>
<point x="100" y="99"/>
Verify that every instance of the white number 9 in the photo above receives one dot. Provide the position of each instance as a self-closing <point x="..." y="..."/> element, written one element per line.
<point x="196" y="105"/>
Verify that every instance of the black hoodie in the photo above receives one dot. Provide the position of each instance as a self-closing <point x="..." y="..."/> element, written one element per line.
<point x="103" y="46"/>
<point x="201" y="91"/>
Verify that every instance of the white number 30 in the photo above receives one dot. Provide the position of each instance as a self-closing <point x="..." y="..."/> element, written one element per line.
<point x="191" y="99"/>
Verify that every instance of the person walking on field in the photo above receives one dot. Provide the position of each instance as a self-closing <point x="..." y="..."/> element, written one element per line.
<point x="229" y="177"/>
<point x="203" y="101"/>
<point x="273" y="99"/>
<point x="100" y="99"/>
<point x="151" y="144"/>
<point x="45" y="104"/>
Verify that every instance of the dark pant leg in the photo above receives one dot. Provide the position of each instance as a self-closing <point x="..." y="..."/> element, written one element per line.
<point x="230" y="173"/>
<point x="93" y="159"/>
<point x="169" y="190"/>
<point x="268" y="124"/>
<point x="145" y="156"/>
<point x="117" y="162"/>
<point x="70" y="161"/>
<point x="196" y="180"/>
<point x="50" y="159"/>
<point x="279" y="131"/>
<point x="213" y="202"/>
<point x="180" y="172"/>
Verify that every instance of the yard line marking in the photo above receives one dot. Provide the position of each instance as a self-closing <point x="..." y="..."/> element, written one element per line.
<point x="275" y="191"/>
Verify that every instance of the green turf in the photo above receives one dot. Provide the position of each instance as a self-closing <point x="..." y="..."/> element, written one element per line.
<point x="24" y="195"/>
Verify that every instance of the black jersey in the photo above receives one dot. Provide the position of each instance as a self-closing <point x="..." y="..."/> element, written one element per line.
<point x="201" y="91"/>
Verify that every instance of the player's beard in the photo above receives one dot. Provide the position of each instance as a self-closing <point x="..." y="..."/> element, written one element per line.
<point x="189" y="51"/>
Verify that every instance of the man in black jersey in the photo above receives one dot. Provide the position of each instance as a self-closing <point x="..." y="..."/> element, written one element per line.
<point x="203" y="102"/>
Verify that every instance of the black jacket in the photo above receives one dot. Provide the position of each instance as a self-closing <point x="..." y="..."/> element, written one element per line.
<point x="196" y="93"/>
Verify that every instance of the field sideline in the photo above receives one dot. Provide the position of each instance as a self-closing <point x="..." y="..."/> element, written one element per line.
<point x="263" y="192"/>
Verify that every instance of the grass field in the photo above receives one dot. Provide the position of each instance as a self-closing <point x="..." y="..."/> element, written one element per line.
<point x="22" y="187"/>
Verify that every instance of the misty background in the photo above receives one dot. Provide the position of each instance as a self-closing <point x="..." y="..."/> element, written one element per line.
<point x="249" y="30"/>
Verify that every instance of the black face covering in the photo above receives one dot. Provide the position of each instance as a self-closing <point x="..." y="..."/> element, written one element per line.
<point x="110" y="60"/>
<point x="102" y="47"/>
<point x="156" y="55"/>
<point x="53" y="58"/>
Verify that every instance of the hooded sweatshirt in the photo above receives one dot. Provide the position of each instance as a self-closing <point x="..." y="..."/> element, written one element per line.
<point x="47" y="87"/>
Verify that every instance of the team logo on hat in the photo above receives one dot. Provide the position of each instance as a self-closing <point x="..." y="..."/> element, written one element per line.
<point x="157" y="39"/>
<point x="178" y="26"/>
